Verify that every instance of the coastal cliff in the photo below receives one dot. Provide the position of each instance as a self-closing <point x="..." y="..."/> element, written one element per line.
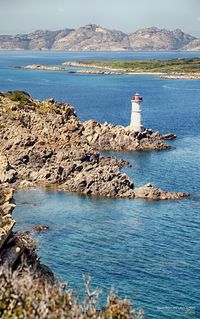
<point x="17" y="250"/>
<point x="44" y="143"/>
<point x="95" y="37"/>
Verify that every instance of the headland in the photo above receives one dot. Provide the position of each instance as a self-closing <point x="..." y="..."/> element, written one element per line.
<point x="45" y="144"/>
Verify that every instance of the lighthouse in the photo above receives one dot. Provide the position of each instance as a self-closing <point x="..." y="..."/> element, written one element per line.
<point x="136" y="113"/>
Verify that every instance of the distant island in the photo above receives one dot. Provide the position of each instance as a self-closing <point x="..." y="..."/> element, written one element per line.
<point x="184" y="65"/>
<point x="93" y="37"/>
<point x="185" y="68"/>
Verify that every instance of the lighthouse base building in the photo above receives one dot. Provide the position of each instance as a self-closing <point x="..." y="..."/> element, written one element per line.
<point x="136" y="114"/>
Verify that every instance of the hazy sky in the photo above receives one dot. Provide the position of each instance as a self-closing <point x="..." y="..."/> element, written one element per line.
<point x="23" y="16"/>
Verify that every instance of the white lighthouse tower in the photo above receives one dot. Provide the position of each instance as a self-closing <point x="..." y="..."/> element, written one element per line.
<point x="136" y="114"/>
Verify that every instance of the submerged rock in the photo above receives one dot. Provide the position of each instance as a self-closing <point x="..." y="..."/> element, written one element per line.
<point x="40" y="228"/>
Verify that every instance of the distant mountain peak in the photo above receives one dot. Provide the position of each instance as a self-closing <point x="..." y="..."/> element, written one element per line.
<point x="96" y="37"/>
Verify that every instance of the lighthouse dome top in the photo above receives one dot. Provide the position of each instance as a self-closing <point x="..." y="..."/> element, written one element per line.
<point x="137" y="98"/>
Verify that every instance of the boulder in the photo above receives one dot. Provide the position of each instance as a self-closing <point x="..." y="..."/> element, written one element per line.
<point x="40" y="228"/>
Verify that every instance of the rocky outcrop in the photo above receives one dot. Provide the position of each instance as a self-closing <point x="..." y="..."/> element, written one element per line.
<point x="99" y="72"/>
<point x="119" y="138"/>
<point x="95" y="37"/>
<point x="40" y="67"/>
<point x="12" y="245"/>
<point x="152" y="193"/>
<point x="6" y="221"/>
<point x="195" y="76"/>
<point x="18" y="250"/>
<point x="44" y="143"/>
<point x="7" y="172"/>
<point x="59" y="68"/>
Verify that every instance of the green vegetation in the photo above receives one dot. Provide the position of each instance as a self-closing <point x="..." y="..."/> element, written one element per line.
<point x="20" y="97"/>
<point x="4" y="221"/>
<point x="22" y="297"/>
<point x="44" y="107"/>
<point x="163" y="66"/>
<point x="17" y="96"/>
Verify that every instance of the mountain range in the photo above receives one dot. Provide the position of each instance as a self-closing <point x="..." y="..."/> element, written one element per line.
<point x="98" y="38"/>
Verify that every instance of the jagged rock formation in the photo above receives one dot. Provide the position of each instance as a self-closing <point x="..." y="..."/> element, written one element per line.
<point x="95" y="37"/>
<point x="17" y="250"/>
<point x="6" y="221"/>
<point x="12" y="245"/>
<point x="119" y="138"/>
<point x="44" y="143"/>
<point x="148" y="191"/>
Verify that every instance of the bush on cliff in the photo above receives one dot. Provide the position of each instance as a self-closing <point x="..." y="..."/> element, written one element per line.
<point x="21" y="296"/>
<point x="18" y="96"/>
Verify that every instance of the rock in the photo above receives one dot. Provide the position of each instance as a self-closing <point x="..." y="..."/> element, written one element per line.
<point x="7" y="172"/>
<point x="6" y="207"/>
<point x="17" y="249"/>
<point x="26" y="184"/>
<point x="40" y="228"/>
<point x="41" y="67"/>
<point x="119" y="138"/>
<point x="168" y="136"/>
<point x="152" y="193"/>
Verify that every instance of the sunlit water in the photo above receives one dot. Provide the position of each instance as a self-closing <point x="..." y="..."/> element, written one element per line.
<point x="148" y="251"/>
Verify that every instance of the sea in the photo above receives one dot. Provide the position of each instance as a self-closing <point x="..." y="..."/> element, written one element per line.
<point x="147" y="251"/>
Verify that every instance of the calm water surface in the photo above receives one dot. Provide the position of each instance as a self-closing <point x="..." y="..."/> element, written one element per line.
<point x="148" y="251"/>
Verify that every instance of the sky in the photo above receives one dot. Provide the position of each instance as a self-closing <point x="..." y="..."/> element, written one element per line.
<point x="24" y="16"/>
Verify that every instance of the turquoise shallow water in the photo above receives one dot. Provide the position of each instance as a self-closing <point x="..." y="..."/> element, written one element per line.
<point x="148" y="251"/>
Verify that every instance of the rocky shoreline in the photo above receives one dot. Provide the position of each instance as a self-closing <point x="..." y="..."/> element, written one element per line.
<point x="98" y="72"/>
<point x="188" y="76"/>
<point x="94" y="69"/>
<point x="40" y="67"/>
<point x="44" y="143"/>
<point x="17" y="250"/>
<point x="60" y="68"/>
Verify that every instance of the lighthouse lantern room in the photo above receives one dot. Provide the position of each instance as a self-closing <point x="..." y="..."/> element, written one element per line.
<point x="136" y="113"/>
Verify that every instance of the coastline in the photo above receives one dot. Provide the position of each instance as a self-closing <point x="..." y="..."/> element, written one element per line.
<point x="94" y="69"/>
<point x="45" y="143"/>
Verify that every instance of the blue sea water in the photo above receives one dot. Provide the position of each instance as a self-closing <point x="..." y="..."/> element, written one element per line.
<point x="148" y="251"/>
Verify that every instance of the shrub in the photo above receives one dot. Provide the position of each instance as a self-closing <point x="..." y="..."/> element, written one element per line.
<point x="22" y="296"/>
<point x="18" y="96"/>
